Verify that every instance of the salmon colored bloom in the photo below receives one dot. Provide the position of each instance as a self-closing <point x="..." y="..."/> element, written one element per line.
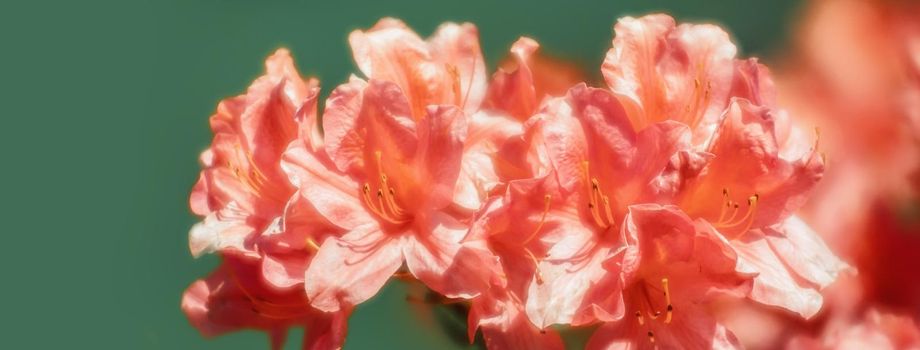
<point x="235" y="297"/>
<point x="517" y="90"/>
<point x="750" y="170"/>
<point x="242" y="190"/>
<point x="253" y="218"/>
<point x="395" y="144"/>
<point x="663" y="71"/>
<point x="557" y="233"/>
<point x="673" y="267"/>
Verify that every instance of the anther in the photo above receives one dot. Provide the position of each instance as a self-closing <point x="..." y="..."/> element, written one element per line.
<point x="667" y="299"/>
<point x="312" y="244"/>
<point x="640" y="318"/>
<point x="651" y="337"/>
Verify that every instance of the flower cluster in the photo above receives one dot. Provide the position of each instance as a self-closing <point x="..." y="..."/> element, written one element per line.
<point x="532" y="197"/>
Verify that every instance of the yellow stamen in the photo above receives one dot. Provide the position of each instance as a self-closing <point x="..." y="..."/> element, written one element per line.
<point x="385" y="207"/>
<point x="640" y="318"/>
<point x="726" y="202"/>
<point x="752" y="208"/>
<point x="667" y="299"/>
<point x="607" y="211"/>
<point x="312" y="244"/>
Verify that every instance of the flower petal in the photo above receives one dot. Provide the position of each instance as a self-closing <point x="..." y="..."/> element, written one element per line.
<point x="441" y="139"/>
<point x="446" y="266"/>
<point x="349" y="270"/>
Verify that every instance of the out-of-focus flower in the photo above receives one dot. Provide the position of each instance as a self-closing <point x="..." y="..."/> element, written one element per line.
<point x="250" y="216"/>
<point x="874" y="330"/>
<point x="395" y="143"/>
<point x="855" y="74"/>
<point x="235" y="297"/>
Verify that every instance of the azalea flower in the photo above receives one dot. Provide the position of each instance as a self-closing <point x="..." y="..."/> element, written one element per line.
<point x="235" y="297"/>
<point x="673" y="267"/>
<point x="253" y="218"/>
<point x="242" y="191"/>
<point x="394" y="146"/>
<point x="749" y="169"/>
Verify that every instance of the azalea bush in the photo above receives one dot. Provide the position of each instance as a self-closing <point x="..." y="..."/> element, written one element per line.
<point x="651" y="208"/>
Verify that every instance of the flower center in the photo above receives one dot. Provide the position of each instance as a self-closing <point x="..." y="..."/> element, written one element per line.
<point x="384" y="206"/>
<point x="597" y="200"/>
<point x="650" y="311"/>
<point x="731" y="221"/>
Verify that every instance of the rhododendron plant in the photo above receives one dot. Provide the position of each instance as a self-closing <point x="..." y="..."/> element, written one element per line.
<point x="532" y="198"/>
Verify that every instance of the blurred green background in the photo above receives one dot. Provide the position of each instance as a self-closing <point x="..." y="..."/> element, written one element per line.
<point x="104" y="112"/>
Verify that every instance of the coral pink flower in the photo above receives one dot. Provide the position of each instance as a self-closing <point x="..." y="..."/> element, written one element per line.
<point x="253" y="217"/>
<point x="516" y="92"/>
<point x="235" y="297"/>
<point x="557" y="233"/>
<point x="393" y="197"/>
<point x="395" y="145"/>
<point x="750" y="169"/>
<point x="242" y="190"/>
<point x="667" y="72"/>
<point x="673" y="267"/>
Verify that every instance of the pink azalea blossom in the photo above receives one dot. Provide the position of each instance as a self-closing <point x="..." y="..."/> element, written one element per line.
<point x="242" y="190"/>
<point x="235" y="297"/>
<point x="749" y="170"/>
<point x="252" y="218"/>
<point x="673" y="267"/>
<point x="393" y="151"/>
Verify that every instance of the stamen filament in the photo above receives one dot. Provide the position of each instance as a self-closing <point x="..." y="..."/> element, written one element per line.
<point x="607" y="211"/>
<point x="667" y="299"/>
<point x="312" y="244"/>
<point x="546" y="202"/>
<point x="536" y="264"/>
<point x="726" y="202"/>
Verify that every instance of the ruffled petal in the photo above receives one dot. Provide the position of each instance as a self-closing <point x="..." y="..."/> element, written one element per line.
<point x="665" y="71"/>
<point x="334" y="196"/>
<point x="441" y="139"/>
<point x="774" y="284"/>
<point x="445" y="265"/>
<point x="349" y="270"/>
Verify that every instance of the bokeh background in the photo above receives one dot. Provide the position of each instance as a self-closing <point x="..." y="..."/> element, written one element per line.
<point x="104" y="112"/>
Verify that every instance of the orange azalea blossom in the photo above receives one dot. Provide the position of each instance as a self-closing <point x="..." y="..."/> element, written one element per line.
<point x="515" y="92"/>
<point x="251" y="217"/>
<point x="235" y="296"/>
<point x="755" y="169"/>
<point x="685" y="124"/>
<point x="394" y="146"/>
